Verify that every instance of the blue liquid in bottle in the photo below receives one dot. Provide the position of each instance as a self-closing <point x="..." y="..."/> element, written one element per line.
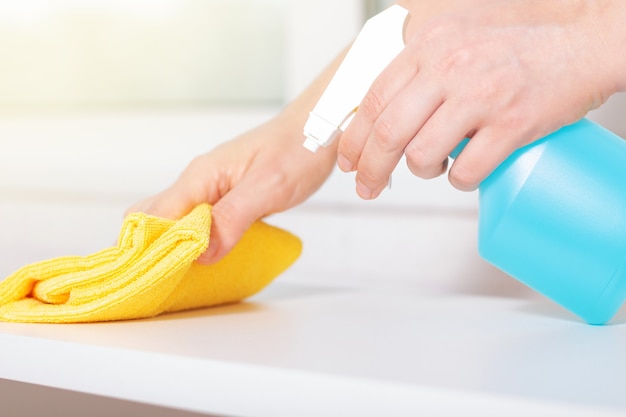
<point x="553" y="215"/>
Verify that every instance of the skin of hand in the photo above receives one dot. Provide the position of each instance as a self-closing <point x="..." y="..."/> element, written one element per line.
<point x="263" y="171"/>
<point x="504" y="73"/>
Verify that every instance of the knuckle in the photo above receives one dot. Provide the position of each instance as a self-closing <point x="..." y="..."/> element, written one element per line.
<point x="515" y="121"/>
<point x="369" y="178"/>
<point x="435" y="30"/>
<point x="462" y="178"/>
<point x="372" y="104"/>
<point x="384" y="133"/>
<point x="501" y="88"/>
<point x="275" y="177"/>
<point x="423" y="165"/>
<point x="454" y="60"/>
<point x="227" y="213"/>
<point x="281" y="184"/>
<point x="196" y="166"/>
<point x="490" y="90"/>
<point x="195" y="182"/>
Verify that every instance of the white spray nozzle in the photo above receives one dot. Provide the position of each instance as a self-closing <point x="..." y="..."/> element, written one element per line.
<point x="380" y="40"/>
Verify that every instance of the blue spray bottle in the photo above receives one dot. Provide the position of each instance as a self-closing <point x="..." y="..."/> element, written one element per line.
<point x="553" y="215"/>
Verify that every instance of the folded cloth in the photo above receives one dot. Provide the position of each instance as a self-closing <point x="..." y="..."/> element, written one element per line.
<point x="150" y="271"/>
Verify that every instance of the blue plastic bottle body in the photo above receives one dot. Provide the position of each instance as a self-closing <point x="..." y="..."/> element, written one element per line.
<point x="553" y="215"/>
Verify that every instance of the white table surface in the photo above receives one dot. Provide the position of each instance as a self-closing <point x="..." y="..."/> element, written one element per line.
<point x="298" y="350"/>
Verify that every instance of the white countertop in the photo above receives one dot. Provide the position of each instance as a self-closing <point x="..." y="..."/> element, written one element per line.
<point x="302" y="350"/>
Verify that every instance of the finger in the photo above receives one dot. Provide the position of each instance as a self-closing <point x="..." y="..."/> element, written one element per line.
<point x="393" y="79"/>
<point x="235" y="212"/>
<point x="197" y="184"/>
<point x="140" y="206"/>
<point x="483" y="153"/>
<point x="392" y="132"/>
<point x="427" y="153"/>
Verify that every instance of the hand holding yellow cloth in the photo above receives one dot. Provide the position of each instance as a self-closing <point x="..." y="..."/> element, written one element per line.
<point x="149" y="272"/>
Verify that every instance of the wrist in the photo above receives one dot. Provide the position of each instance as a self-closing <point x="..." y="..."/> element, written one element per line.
<point x="610" y="21"/>
<point x="289" y="123"/>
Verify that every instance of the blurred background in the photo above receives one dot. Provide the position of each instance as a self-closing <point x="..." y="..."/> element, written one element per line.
<point x="104" y="102"/>
<point x="74" y="54"/>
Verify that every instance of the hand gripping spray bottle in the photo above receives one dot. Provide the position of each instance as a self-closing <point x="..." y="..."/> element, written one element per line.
<point x="553" y="215"/>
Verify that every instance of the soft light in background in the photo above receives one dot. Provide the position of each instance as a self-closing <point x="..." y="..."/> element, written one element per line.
<point x="107" y="53"/>
<point x="68" y="54"/>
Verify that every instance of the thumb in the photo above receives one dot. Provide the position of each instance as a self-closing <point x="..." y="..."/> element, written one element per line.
<point x="172" y="203"/>
<point x="195" y="185"/>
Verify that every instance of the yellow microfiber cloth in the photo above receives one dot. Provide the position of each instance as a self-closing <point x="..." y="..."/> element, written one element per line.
<point x="150" y="271"/>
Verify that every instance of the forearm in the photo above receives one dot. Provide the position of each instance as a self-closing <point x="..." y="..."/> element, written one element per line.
<point x="292" y="119"/>
<point x="424" y="10"/>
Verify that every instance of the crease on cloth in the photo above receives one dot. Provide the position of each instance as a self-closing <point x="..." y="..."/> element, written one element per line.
<point x="149" y="272"/>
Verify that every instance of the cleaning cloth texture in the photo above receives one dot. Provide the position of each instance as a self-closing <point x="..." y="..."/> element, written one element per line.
<point x="150" y="271"/>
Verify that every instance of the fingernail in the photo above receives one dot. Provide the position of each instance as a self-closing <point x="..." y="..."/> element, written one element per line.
<point x="344" y="163"/>
<point x="363" y="191"/>
<point x="207" y="257"/>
